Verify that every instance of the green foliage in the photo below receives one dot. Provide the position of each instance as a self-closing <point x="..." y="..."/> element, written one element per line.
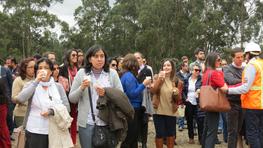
<point x="157" y="28"/>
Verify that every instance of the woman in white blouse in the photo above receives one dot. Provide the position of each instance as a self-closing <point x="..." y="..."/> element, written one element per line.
<point x="42" y="94"/>
<point x="191" y="90"/>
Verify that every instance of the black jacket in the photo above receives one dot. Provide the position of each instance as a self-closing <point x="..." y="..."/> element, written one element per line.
<point x="143" y="73"/>
<point x="180" y="75"/>
<point x="5" y="85"/>
<point x="233" y="76"/>
<point x="198" y="85"/>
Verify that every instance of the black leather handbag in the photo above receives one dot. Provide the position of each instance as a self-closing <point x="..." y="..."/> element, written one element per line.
<point x="102" y="137"/>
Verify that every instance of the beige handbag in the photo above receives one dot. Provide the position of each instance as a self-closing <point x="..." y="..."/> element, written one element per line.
<point x="21" y="137"/>
<point x="213" y="100"/>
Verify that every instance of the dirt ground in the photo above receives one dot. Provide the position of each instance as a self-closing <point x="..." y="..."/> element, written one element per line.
<point x="182" y="139"/>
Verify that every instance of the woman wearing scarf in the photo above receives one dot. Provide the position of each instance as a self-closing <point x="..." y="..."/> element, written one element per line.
<point x="42" y="94"/>
<point x="67" y="74"/>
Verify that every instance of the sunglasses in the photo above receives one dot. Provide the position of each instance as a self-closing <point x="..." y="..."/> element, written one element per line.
<point x="113" y="65"/>
<point x="74" y="55"/>
<point x="197" y="70"/>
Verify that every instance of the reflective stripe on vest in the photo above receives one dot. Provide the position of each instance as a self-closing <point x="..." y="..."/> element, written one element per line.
<point x="253" y="99"/>
<point x="260" y="87"/>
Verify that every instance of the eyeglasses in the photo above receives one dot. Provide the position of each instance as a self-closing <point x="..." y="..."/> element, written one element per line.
<point x="74" y="55"/>
<point x="197" y="70"/>
<point x="31" y="67"/>
<point x="113" y="65"/>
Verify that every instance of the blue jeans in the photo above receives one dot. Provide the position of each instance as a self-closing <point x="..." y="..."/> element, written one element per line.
<point x="210" y="129"/>
<point x="181" y="122"/>
<point x="85" y="135"/>
<point x="254" y="127"/>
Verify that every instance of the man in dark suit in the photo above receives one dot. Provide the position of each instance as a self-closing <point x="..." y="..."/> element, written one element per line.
<point x="143" y="72"/>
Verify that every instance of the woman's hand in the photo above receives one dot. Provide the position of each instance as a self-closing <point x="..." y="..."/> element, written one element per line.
<point x="40" y="74"/>
<point x="44" y="114"/>
<point x="100" y="90"/>
<point x="85" y="83"/>
<point x="224" y="88"/>
<point x="146" y="82"/>
<point x="161" y="74"/>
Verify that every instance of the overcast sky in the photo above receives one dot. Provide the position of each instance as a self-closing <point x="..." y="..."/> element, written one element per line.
<point x="65" y="11"/>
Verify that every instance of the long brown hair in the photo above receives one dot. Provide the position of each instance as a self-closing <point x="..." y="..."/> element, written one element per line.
<point x="131" y="64"/>
<point x="210" y="61"/>
<point x="173" y="76"/>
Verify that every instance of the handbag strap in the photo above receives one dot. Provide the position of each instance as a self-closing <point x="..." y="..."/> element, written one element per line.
<point x="91" y="106"/>
<point x="208" y="78"/>
<point x="27" y="112"/>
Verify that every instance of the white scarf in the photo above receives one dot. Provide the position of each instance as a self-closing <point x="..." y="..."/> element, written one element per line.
<point x="50" y="97"/>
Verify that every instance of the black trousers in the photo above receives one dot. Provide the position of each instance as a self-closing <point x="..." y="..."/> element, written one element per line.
<point x="254" y="127"/>
<point x="234" y="124"/>
<point x="190" y="114"/>
<point x="131" y="140"/>
<point x="36" y="140"/>
<point x="144" y="129"/>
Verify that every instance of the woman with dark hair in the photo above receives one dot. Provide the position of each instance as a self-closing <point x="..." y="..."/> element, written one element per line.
<point x="134" y="91"/>
<point x="215" y="78"/>
<point x="167" y="88"/>
<point x="80" y="58"/>
<point x="192" y="85"/>
<point x="43" y="94"/>
<point x="113" y="63"/>
<point x="26" y="74"/>
<point x="67" y="73"/>
<point x="55" y="73"/>
<point x="97" y="75"/>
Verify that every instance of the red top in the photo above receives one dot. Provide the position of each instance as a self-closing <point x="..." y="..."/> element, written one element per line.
<point x="216" y="79"/>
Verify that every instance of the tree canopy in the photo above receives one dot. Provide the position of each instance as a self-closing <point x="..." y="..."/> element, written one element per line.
<point x="157" y="28"/>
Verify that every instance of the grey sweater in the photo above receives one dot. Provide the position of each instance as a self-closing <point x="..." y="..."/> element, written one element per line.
<point x="76" y="95"/>
<point x="233" y="76"/>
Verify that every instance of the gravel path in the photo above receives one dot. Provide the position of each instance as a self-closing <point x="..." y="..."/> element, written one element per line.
<point x="182" y="139"/>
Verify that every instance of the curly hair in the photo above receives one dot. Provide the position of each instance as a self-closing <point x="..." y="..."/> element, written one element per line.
<point x="23" y="66"/>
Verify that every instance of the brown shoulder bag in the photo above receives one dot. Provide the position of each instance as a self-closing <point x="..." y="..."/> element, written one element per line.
<point x="213" y="100"/>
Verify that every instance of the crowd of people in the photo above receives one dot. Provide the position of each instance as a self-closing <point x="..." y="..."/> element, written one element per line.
<point x="37" y="92"/>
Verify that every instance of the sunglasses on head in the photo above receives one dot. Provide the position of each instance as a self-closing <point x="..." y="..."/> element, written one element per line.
<point x="197" y="70"/>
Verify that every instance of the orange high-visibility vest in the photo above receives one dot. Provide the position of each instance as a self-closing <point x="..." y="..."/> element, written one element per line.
<point x="253" y="99"/>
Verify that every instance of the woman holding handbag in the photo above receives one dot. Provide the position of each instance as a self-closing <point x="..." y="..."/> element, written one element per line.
<point x="94" y="76"/>
<point x="42" y="95"/>
<point x="215" y="79"/>
<point x="167" y="90"/>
